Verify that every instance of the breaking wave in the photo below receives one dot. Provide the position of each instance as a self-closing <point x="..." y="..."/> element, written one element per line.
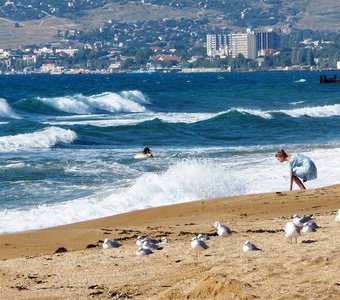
<point x="124" y="102"/>
<point x="42" y="139"/>
<point x="6" y="111"/>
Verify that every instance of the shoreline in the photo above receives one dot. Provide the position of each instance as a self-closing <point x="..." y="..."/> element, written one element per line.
<point x="309" y="269"/>
<point x="189" y="211"/>
<point x="183" y="71"/>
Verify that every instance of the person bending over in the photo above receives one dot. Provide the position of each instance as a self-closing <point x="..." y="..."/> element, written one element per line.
<point x="300" y="166"/>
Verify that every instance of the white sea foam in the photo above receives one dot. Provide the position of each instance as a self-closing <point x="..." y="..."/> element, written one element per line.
<point x="136" y="96"/>
<point x="67" y="104"/>
<point x="133" y="119"/>
<point x="188" y="118"/>
<point x="42" y="139"/>
<point x="126" y="101"/>
<point x="183" y="181"/>
<point x="114" y="102"/>
<point x="255" y="112"/>
<point x="316" y="111"/>
<point x="300" y="80"/>
<point x="6" y="111"/>
<point x="297" y="102"/>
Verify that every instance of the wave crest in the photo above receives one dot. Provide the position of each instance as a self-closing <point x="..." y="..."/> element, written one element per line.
<point x="254" y="112"/>
<point x="42" y="139"/>
<point x="316" y="111"/>
<point x="182" y="182"/>
<point x="126" y="102"/>
<point x="6" y="111"/>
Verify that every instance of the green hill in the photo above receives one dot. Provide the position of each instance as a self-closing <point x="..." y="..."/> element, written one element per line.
<point x="37" y="22"/>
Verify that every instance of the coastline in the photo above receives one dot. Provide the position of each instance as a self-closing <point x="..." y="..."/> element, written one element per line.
<point x="29" y="267"/>
<point x="161" y="71"/>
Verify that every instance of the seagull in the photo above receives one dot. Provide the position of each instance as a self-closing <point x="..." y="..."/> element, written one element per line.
<point x="301" y="220"/>
<point x="198" y="244"/>
<point x="143" y="251"/>
<point x="163" y="240"/>
<point x="221" y="229"/>
<point x="149" y="244"/>
<point x="337" y="218"/>
<point x="312" y="223"/>
<point x="107" y="244"/>
<point x="292" y="231"/>
<point x="140" y="240"/>
<point x="203" y="237"/>
<point x="308" y="227"/>
<point x="248" y="246"/>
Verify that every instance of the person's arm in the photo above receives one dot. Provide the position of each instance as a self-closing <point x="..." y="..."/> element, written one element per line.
<point x="291" y="179"/>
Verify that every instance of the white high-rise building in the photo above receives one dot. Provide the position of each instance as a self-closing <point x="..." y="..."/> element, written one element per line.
<point x="243" y="43"/>
<point x="217" y="45"/>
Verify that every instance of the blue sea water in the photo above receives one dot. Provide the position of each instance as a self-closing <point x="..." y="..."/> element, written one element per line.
<point x="67" y="143"/>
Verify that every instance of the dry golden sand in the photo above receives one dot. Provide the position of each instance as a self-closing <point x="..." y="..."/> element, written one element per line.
<point x="29" y="268"/>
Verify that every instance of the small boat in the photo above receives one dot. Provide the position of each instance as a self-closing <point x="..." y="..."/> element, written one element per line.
<point x="324" y="79"/>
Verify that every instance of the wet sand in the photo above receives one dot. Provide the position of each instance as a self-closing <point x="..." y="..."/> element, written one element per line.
<point x="30" y="268"/>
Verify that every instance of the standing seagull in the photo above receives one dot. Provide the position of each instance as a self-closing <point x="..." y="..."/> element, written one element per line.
<point x="248" y="246"/>
<point x="221" y="229"/>
<point x="292" y="231"/>
<point x="337" y="218"/>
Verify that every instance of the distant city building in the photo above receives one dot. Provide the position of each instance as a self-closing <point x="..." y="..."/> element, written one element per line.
<point x="115" y="66"/>
<point x="338" y="65"/>
<point x="48" y="67"/>
<point x="267" y="40"/>
<point x="67" y="51"/>
<point x="43" y="50"/>
<point x="165" y="57"/>
<point x="4" y="53"/>
<point x="217" y="45"/>
<point x="243" y="43"/>
<point x="264" y="52"/>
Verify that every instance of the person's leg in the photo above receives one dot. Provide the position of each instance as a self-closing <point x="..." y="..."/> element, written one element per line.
<point x="299" y="183"/>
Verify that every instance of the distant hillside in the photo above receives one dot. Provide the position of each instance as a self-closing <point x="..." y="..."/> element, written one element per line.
<point x="39" y="21"/>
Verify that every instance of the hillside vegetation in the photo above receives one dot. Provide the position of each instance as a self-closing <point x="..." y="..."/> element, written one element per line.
<point x="37" y="22"/>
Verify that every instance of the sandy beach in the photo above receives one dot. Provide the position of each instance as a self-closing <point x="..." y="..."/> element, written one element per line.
<point x="30" y="268"/>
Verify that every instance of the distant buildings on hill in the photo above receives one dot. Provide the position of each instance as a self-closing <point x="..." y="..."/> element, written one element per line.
<point x="250" y="44"/>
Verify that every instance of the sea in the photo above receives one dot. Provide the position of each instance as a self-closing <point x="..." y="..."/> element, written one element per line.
<point x="67" y="142"/>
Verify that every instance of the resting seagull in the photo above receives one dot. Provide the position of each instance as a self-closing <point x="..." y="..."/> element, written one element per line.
<point x="140" y="240"/>
<point x="198" y="245"/>
<point x="221" y="229"/>
<point x="144" y="239"/>
<point x="203" y="237"/>
<point x="248" y="246"/>
<point x="308" y="227"/>
<point x="143" y="251"/>
<point x="107" y="244"/>
<point x="149" y="244"/>
<point x="301" y="220"/>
